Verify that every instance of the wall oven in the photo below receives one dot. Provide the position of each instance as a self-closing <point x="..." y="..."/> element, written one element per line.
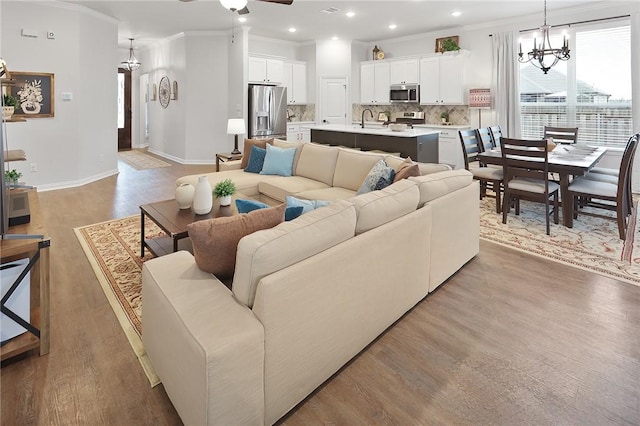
<point x="404" y="93"/>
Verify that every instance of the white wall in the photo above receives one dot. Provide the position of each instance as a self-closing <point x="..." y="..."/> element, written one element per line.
<point x="79" y="143"/>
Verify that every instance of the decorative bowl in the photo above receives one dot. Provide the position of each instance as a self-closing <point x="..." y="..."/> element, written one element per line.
<point x="398" y="127"/>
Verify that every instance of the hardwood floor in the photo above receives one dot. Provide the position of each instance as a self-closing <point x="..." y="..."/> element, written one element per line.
<point x="510" y="339"/>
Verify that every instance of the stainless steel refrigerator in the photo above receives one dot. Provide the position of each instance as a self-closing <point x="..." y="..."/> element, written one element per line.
<point x="267" y="112"/>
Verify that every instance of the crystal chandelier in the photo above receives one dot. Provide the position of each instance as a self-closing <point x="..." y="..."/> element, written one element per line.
<point x="131" y="64"/>
<point x="544" y="56"/>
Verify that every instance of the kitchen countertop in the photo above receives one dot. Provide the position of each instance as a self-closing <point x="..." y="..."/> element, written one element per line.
<point x="372" y="129"/>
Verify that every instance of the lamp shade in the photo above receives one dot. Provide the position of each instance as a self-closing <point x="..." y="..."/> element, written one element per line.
<point x="234" y="4"/>
<point x="235" y="126"/>
<point x="480" y="98"/>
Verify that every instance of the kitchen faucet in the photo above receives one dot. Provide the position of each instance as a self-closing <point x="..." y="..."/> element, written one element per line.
<point x="363" y="111"/>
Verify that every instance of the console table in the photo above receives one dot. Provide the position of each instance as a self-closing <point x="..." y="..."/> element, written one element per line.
<point x="33" y="244"/>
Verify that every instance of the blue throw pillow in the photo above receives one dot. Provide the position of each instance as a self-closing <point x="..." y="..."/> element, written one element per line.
<point x="256" y="159"/>
<point x="384" y="181"/>
<point x="379" y="170"/>
<point x="246" y="206"/>
<point x="278" y="161"/>
<point x="307" y="205"/>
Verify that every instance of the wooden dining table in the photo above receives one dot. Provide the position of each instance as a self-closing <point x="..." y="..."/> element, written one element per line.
<point x="566" y="161"/>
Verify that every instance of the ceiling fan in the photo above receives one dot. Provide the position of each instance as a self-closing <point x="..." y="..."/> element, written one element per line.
<point x="240" y="6"/>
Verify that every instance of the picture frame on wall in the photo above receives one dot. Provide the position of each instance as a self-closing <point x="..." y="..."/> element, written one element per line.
<point x="35" y="94"/>
<point x="440" y="43"/>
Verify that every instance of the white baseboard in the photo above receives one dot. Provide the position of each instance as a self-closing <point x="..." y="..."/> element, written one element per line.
<point x="181" y="160"/>
<point x="76" y="183"/>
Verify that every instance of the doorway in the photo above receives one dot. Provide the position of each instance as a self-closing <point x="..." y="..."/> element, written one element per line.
<point x="333" y="100"/>
<point x="124" y="110"/>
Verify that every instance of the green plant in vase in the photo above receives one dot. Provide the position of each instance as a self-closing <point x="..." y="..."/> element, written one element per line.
<point x="445" y="116"/>
<point x="224" y="190"/>
<point x="9" y="104"/>
<point x="11" y="177"/>
<point x="449" y="45"/>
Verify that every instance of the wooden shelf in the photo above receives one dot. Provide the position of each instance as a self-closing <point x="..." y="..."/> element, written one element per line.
<point x="14" y="120"/>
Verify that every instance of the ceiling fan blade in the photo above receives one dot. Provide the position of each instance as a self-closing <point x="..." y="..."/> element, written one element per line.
<point x="287" y="2"/>
<point x="243" y="11"/>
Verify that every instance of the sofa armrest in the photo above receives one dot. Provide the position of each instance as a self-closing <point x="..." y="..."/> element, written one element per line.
<point x="230" y="165"/>
<point x="207" y="348"/>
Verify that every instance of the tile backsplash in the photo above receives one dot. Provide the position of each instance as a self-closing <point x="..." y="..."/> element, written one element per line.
<point x="302" y="112"/>
<point x="458" y="114"/>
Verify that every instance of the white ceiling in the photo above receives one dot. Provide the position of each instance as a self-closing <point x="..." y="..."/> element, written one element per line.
<point x="148" y="21"/>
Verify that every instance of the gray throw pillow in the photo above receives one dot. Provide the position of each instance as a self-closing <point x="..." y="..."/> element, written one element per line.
<point x="380" y="170"/>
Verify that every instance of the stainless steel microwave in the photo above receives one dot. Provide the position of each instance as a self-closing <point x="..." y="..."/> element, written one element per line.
<point x="404" y="93"/>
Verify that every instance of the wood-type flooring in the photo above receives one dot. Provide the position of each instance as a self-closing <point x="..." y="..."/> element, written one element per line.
<point x="511" y="339"/>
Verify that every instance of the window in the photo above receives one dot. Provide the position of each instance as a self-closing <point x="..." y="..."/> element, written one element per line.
<point x="591" y="91"/>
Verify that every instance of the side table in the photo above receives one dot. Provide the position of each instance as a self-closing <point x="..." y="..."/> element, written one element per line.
<point x="224" y="157"/>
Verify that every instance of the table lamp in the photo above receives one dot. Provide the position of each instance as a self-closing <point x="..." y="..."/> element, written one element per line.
<point x="235" y="127"/>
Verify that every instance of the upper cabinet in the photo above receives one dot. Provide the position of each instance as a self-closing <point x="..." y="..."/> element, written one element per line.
<point x="265" y="71"/>
<point x="405" y="71"/>
<point x="374" y="83"/>
<point x="442" y="80"/>
<point x="295" y="80"/>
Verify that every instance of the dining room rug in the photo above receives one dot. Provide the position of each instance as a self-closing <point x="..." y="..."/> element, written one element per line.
<point x="113" y="250"/>
<point x="592" y="244"/>
<point x="140" y="160"/>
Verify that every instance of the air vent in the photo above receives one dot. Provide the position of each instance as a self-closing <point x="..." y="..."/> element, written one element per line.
<point x="330" y="10"/>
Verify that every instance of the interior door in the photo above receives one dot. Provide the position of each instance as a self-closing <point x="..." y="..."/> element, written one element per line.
<point x="333" y="100"/>
<point x="124" y="109"/>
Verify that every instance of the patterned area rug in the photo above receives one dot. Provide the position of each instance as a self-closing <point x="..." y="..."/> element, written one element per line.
<point x="592" y="244"/>
<point x="113" y="250"/>
<point x="141" y="161"/>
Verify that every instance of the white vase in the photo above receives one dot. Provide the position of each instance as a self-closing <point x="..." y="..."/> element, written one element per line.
<point x="225" y="200"/>
<point x="7" y="112"/>
<point x="202" y="197"/>
<point x="184" y="195"/>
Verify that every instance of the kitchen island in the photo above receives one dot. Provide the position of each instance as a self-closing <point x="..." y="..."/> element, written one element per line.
<point x="419" y="144"/>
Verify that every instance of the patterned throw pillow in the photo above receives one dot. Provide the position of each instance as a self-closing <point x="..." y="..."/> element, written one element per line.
<point x="379" y="170"/>
<point x="248" y="143"/>
<point x="307" y="205"/>
<point x="384" y="181"/>
<point x="256" y="160"/>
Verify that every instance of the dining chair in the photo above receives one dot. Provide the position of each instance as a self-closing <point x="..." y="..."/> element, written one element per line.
<point x="486" y="140"/>
<point x="488" y="176"/>
<point x="566" y="135"/>
<point x="610" y="195"/>
<point x="526" y="176"/>
<point x="496" y="134"/>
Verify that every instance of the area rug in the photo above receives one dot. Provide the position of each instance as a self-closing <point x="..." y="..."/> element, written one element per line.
<point x="113" y="250"/>
<point x="141" y="161"/>
<point x="592" y="244"/>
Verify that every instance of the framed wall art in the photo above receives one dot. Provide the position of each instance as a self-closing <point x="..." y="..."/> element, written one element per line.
<point x="445" y="44"/>
<point x="34" y="92"/>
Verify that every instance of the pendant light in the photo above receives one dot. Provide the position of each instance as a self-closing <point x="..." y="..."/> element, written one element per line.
<point x="234" y="5"/>
<point x="131" y="64"/>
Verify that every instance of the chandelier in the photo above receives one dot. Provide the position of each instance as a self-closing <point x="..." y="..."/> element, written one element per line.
<point x="131" y="64"/>
<point x="543" y="55"/>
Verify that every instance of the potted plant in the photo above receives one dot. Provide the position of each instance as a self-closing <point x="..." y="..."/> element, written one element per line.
<point x="445" y="116"/>
<point x="224" y="190"/>
<point x="9" y="104"/>
<point x="11" y="177"/>
<point x="450" y="45"/>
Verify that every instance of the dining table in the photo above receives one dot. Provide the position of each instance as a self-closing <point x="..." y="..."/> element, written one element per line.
<point x="565" y="161"/>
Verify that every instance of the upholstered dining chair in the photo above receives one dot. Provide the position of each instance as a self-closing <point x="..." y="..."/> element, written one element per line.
<point x="608" y="195"/>
<point x="488" y="176"/>
<point x="566" y="135"/>
<point x="526" y="176"/>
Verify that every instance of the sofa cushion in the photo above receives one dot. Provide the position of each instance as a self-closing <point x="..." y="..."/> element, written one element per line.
<point x="281" y="186"/>
<point x="438" y="184"/>
<point x="307" y="205"/>
<point x="380" y="176"/>
<point x="330" y="194"/>
<point x="352" y="167"/>
<point x="215" y="240"/>
<point x="379" y="207"/>
<point x="278" y="161"/>
<point x="406" y="169"/>
<point x="271" y="250"/>
<point x="246" y="206"/>
<point x="248" y="143"/>
<point x="394" y="161"/>
<point x="318" y="162"/>
<point x="428" y="168"/>
<point x="256" y="160"/>
<point x="290" y="144"/>
<point x="246" y="183"/>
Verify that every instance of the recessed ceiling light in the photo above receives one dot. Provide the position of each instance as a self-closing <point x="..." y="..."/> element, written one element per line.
<point x="456" y="13"/>
<point x="350" y="14"/>
<point x="334" y="38"/>
<point x="292" y="30"/>
<point x="393" y="26"/>
<point x="242" y="19"/>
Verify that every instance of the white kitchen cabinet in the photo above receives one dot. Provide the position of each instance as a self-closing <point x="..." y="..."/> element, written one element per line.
<point x="295" y="80"/>
<point x="405" y="71"/>
<point x="298" y="132"/>
<point x="374" y="83"/>
<point x="265" y="70"/>
<point x="442" y="80"/>
<point x="449" y="147"/>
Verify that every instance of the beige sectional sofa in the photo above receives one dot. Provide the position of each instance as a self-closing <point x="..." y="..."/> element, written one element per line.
<point x="307" y="295"/>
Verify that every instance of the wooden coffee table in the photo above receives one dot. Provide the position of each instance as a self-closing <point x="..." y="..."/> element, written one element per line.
<point x="173" y="221"/>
